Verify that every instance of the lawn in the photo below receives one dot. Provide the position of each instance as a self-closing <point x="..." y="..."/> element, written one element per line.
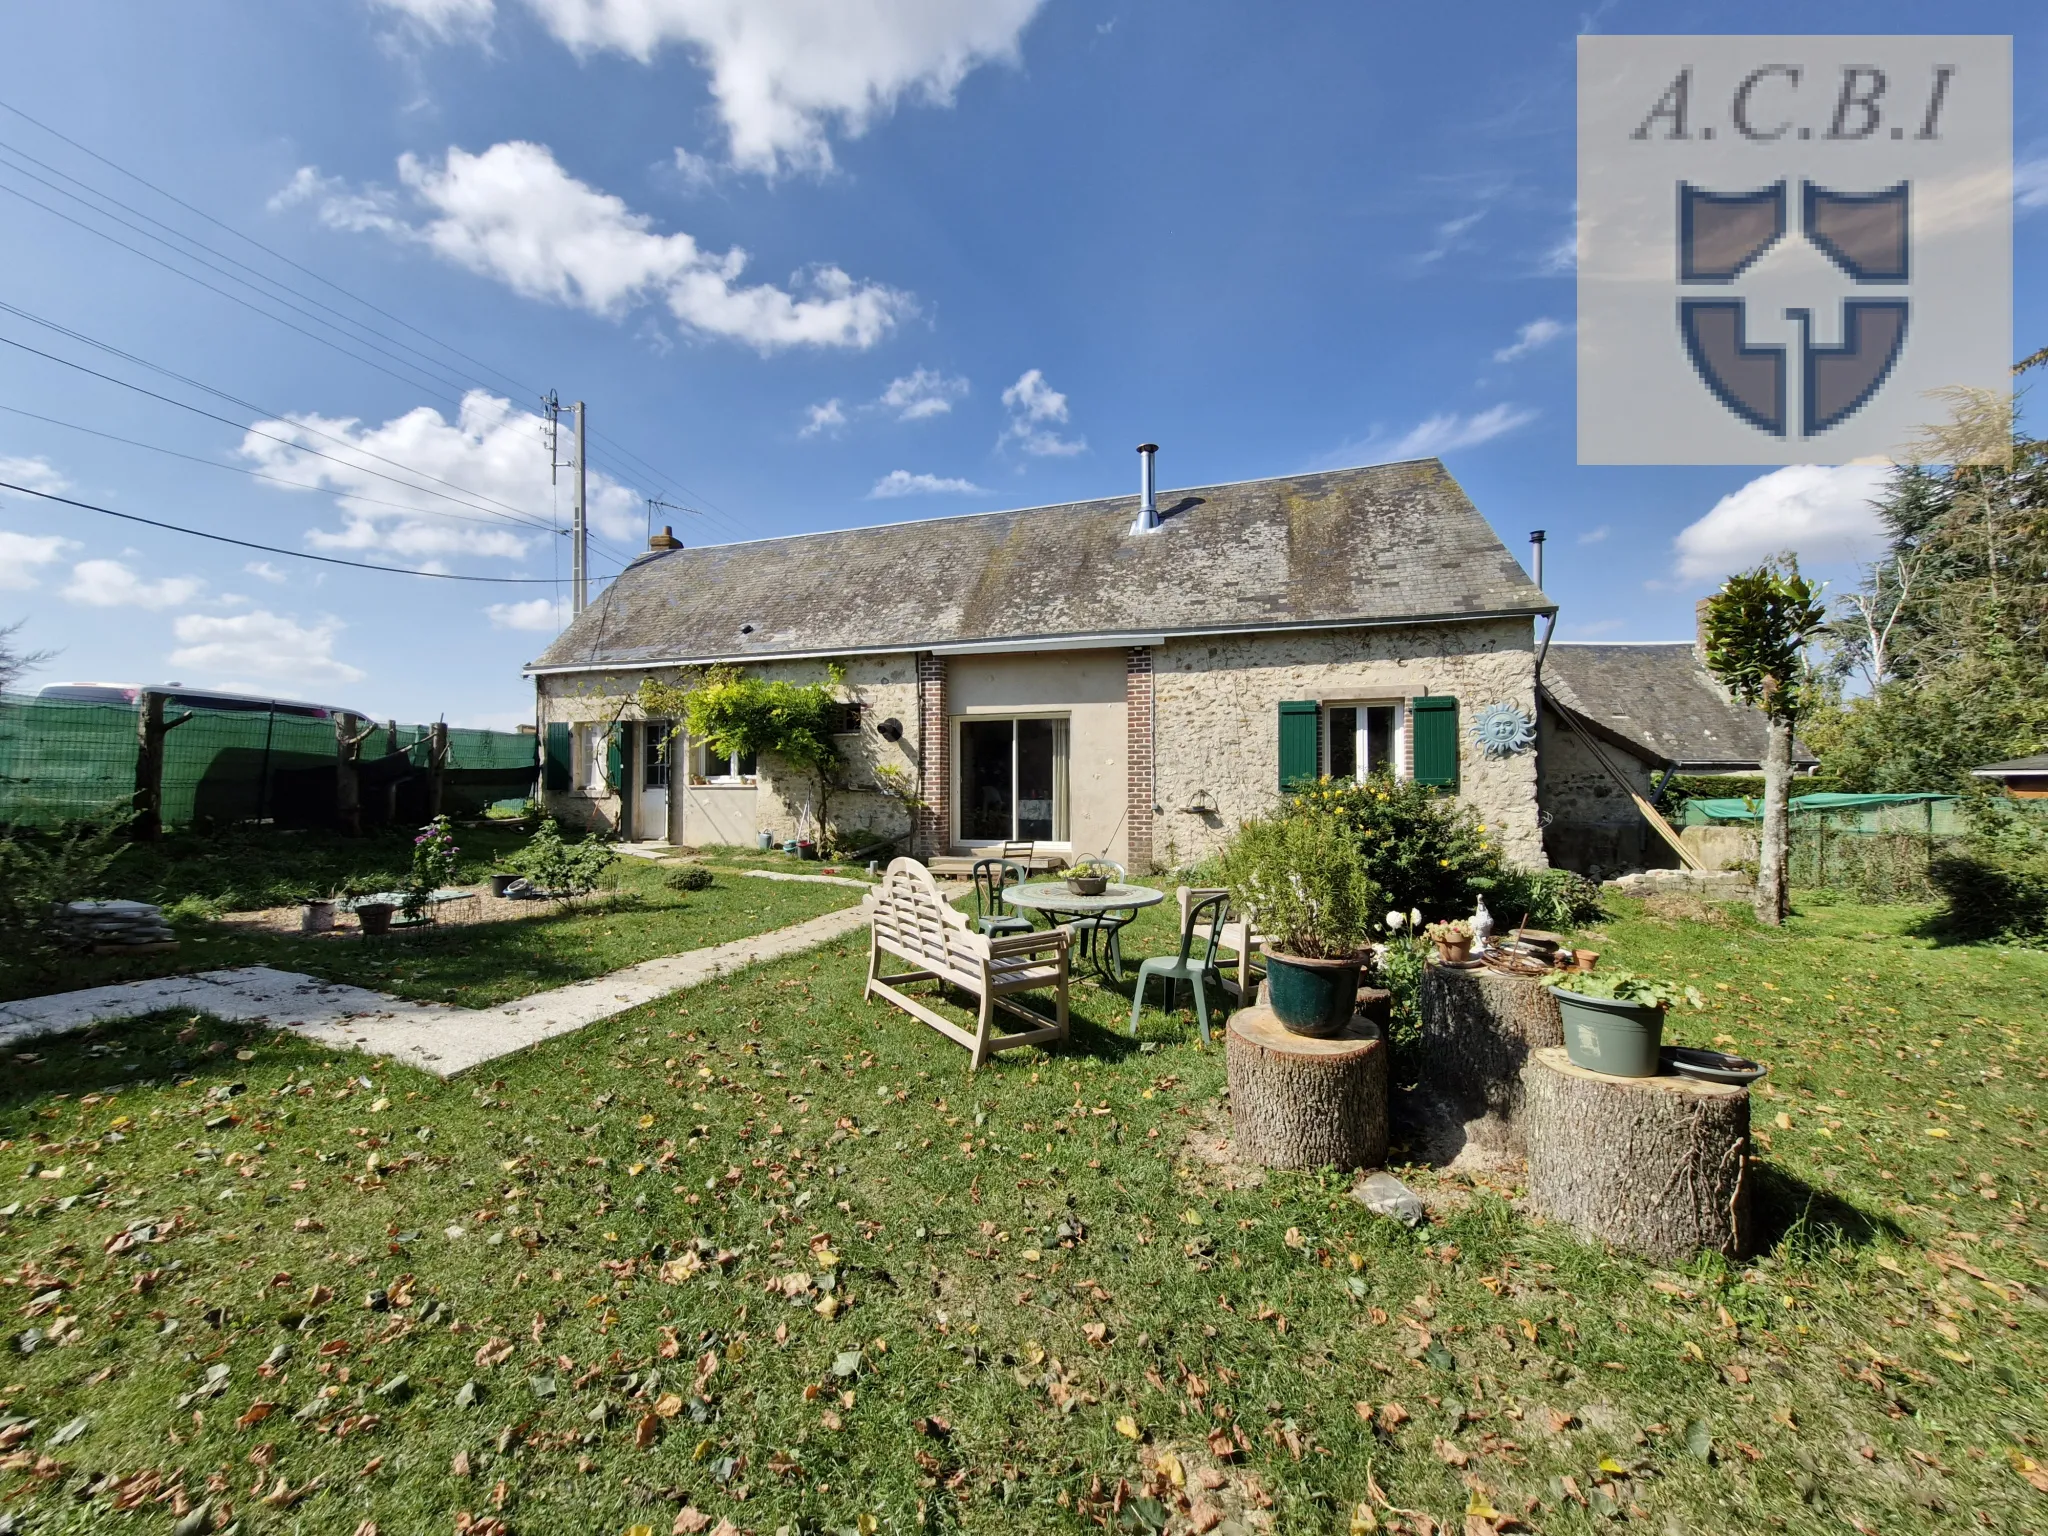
<point x="762" y="1254"/>
<point x="475" y="965"/>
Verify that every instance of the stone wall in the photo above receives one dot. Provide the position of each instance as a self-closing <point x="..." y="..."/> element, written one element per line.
<point x="1589" y="823"/>
<point x="885" y="686"/>
<point x="1217" y="701"/>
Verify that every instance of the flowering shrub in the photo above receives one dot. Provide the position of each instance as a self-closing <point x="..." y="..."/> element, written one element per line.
<point x="1456" y="931"/>
<point x="1419" y="848"/>
<point x="433" y="864"/>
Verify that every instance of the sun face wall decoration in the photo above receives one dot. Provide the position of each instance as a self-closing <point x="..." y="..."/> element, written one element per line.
<point x="1503" y="730"/>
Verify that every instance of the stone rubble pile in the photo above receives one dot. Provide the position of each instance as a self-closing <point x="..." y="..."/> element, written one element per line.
<point x="116" y="924"/>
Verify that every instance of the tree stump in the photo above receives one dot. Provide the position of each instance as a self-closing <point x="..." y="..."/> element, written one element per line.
<point x="1656" y="1165"/>
<point x="1478" y="1028"/>
<point x="1296" y="1102"/>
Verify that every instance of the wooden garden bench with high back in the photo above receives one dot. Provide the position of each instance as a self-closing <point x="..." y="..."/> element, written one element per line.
<point x="913" y="922"/>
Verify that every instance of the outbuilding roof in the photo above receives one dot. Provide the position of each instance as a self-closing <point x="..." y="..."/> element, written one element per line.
<point x="1389" y="543"/>
<point x="2018" y="766"/>
<point x="1656" y="699"/>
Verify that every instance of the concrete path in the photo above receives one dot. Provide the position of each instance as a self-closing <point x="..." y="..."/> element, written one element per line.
<point x="434" y="1037"/>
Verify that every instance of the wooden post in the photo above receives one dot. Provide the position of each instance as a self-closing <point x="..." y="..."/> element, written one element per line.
<point x="437" y="762"/>
<point x="150" y="730"/>
<point x="1656" y="1165"/>
<point x="149" y="767"/>
<point x="348" y="791"/>
<point x="1298" y="1102"/>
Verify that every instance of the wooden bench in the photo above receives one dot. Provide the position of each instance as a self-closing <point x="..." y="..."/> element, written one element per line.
<point x="914" y="923"/>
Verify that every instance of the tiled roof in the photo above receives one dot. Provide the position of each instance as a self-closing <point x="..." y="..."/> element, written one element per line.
<point x="1387" y="543"/>
<point x="1659" y="699"/>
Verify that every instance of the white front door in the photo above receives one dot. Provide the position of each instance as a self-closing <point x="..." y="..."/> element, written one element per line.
<point x="650" y="825"/>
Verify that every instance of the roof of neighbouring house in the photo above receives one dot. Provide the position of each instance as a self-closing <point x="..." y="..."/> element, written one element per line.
<point x="1655" y="699"/>
<point x="1389" y="543"/>
<point x="2018" y="765"/>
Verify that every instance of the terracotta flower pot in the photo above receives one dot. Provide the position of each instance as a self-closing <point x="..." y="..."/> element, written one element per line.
<point x="375" y="917"/>
<point x="1583" y="960"/>
<point x="1454" y="953"/>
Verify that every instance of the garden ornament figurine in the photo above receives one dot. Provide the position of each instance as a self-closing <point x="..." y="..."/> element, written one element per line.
<point x="1482" y="928"/>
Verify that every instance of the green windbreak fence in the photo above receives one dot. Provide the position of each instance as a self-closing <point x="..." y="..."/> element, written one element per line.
<point x="64" y="759"/>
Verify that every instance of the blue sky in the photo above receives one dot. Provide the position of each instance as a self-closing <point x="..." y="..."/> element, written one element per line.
<point x="812" y="265"/>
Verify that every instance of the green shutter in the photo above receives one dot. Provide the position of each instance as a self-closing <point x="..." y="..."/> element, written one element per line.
<point x="1436" y="742"/>
<point x="555" y="775"/>
<point x="1299" y="721"/>
<point x="615" y="758"/>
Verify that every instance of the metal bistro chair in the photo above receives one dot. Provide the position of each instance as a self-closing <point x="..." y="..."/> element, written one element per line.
<point x="1103" y="928"/>
<point x="991" y="878"/>
<point x="1210" y="912"/>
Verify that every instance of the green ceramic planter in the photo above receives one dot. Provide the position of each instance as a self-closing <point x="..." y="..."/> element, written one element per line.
<point x="1311" y="997"/>
<point x="1608" y="1036"/>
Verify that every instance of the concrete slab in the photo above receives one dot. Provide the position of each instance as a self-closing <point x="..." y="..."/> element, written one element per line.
<point x="433" y="1037"/>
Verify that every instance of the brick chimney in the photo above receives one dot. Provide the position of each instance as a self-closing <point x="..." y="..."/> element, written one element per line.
<point x="666" y="539"/>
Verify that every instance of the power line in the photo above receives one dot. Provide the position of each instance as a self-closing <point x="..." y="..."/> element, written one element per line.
<point x="272" y="549"/>
<point x="662" y="481"/>
<point x="175" y="232"/>
<point x="143" y="181"/>
<point x="514" y="513"/>
<point x="415" y="381"/>
<point x="253" y="474"/>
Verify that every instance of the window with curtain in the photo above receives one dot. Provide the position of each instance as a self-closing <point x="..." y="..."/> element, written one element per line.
<point x="1361" y="739"/>
<point x="1013" y="780"/>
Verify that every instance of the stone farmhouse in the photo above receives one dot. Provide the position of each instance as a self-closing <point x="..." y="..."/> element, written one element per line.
<point x="1128" y="677"/>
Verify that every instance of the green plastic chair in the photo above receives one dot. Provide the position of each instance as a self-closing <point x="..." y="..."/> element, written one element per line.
<point x="991" y="878"/>
<point x="1215" y="911"/>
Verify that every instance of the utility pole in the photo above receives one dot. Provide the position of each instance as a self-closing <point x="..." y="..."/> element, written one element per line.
<point x="579" y="555"/>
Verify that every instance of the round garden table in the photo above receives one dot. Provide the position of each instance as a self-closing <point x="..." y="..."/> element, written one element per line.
<point x="1058" y="903"/>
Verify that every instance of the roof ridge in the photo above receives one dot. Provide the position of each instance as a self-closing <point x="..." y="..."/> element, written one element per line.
<point x="1048" y="506"/>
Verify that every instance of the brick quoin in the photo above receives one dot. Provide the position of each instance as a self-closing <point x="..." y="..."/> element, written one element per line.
<point x="934" y="778"/>
<point x="1138" y="759"/>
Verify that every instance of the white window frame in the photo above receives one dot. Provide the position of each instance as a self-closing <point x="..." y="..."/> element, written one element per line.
<point x="1400" y="709"/>
<point x="701" y="762"/>
<point x="657" y="746"/>
<point x="1013" y="716"/>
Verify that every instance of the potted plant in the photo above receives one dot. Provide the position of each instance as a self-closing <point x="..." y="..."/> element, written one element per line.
<point x="1614" y="1021"/>
<point x="1453" y="940"/>
<point x="1089" y="877"/>
<point x="433" y="866"/>
<point x="374" y="917"/>
<point x="316" y="914"/>
<point x="1303" y="876"/>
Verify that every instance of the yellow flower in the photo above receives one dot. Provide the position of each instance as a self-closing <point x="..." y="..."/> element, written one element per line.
<point x="1443" y="863"/>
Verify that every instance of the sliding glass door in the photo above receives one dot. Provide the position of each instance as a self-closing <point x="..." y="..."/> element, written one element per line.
<point x="1013" y="780"/>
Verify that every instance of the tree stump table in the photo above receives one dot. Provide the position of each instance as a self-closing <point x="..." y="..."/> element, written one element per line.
<point x="1298" y="1102"/>
<point x="1656" y="1165"/>
<point x="1478" y="1029"/>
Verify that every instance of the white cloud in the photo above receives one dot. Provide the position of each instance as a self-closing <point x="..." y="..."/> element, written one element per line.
<point x="545" y="614"/>
<point x="1450" y="236"/>
<point x="829" y="416"/>
<point x="1448" y="432"/>
<point x="2030" y="183"/>
<point x="921" y="393"/>
<point x="1821" y="512"/>
<point x="261" y="645"/>
<point x="901" y="482"/>
<point x="782" y="74"/>
<point x="265" y="570"/>
<point x="445" y="19"/>
<point x="21" y="553"/>
<point x="1533" y="337"/>
<point x="110" y="584"/>
<point x="697" y="173"/>
<point x="1595" y="535"/>
<point x="38" y="474"/>
<point x="514" y="215"/>
<point x="492" y="450"/>
<point x="1035" y="407"/>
